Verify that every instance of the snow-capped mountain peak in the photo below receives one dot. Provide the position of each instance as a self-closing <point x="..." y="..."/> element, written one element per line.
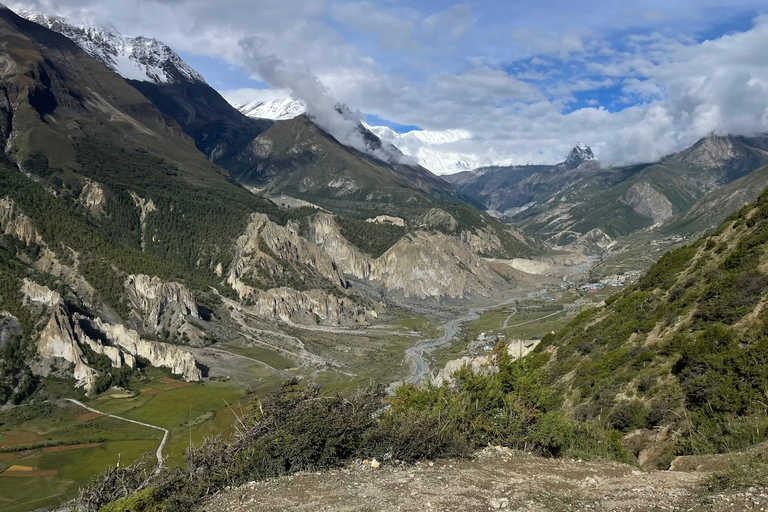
<point x="579" y="154"/>
<point x="134" y="58"/>
<point x="277" y="110"/>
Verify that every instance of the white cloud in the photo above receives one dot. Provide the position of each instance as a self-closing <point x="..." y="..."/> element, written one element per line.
<point x="507" y="83"/>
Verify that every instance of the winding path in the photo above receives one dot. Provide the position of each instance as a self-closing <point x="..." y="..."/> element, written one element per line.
<point x="506" y="320"/>
<point x="165" y="431"/>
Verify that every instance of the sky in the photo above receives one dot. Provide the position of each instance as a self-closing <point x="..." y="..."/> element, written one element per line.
<point x="485" y="81"/>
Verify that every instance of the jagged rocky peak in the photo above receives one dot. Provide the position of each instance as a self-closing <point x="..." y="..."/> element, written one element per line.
<point x="134" y="58"/>
<point x="579" y="154"/>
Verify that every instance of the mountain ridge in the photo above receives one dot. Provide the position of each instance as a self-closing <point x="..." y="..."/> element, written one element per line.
<point x="555" y="202"/>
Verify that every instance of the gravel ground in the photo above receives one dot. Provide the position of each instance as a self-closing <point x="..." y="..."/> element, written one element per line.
<point x="496" y="479"/>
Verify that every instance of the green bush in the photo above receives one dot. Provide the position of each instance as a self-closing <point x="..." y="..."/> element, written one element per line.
<point x="627" y="416"/>
<point x="145" y="500"/>
<point x="297" y="429"/>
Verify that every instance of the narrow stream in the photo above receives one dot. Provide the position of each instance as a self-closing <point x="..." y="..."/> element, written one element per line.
<point x="451" y="327"/>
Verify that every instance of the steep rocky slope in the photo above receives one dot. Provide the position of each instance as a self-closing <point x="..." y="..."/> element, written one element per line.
<point x="295" y="156"/>
<point x="298" y="158"/>
<point x="177" y="90"/>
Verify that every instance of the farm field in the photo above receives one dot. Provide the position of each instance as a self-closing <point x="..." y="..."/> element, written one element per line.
<point x="48" y="450"/>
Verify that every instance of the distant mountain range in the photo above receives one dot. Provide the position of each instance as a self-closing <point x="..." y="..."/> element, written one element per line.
<point x="272" y="146"/>
<point x="564" y="202"/>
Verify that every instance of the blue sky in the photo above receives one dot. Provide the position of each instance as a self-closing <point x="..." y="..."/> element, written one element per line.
<point x="487" y="81"/>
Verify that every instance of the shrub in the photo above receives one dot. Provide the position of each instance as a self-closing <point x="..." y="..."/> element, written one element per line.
<point x="628" y="415"/>
<point x="552" y="433"/>
<point x="114" y="483"/>
<point x="146" y="500"/>
<point x="752" y="473"/>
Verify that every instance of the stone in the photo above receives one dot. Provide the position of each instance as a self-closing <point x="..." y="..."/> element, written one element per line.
<point x="162" y="306"/>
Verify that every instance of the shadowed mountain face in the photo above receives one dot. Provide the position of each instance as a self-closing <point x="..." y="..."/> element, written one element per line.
<point x="218" y="130"/>
<point x="79" y="130"/>
<point x="296" y="157"/>
<point x="228" y="138"/>
<point x="563" y="202"/>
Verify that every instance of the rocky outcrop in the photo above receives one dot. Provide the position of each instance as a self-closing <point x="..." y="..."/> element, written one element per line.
<point x="14" y="223"/>
<point x="145" y="206"/>
<point x="59" y="340"/>
<point x="484" y="364"/>
<point x="324" y="232"/>
<point x="309" y="307"/>
<point x="264" y="243"/>
<point x="648" y="201"/>
<point x="387" y="219"/>
<point x="592" y="242"/>
<point x="482" y="241"/>
<point x="267" y="249"/>
<point x="65" y="335"/>
<point x="92" y="198"/>
<point x="435" y="266"/>
<point x="40" y="294"/>
<point x="9" y="327"/>
<point x="438" y="219"/>
<point x="178" y="360"/>
<point x="580" y="154"/>
<point x="710" y="152"/>
<point x="420" y="265"/>
<point x="162" y="306"/>
<point x="117" y="358"/>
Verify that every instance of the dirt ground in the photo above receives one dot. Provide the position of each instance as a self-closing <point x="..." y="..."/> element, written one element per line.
<point x="496" y="479"/>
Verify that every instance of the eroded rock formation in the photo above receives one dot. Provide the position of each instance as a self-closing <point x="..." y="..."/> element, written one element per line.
<point x="421" y="265"/>
<point x="309" y="307"/>
<point x="162" y="306"/>
<point x="65" y="335"/>
<point x="14" y="223"/>
<point x="158" y="354"/>
<point x="92" y="198"/>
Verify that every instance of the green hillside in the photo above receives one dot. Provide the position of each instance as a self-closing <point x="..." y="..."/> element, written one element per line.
<point x="685" y="348"/>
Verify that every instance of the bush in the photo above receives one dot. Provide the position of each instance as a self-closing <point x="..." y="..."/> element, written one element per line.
<point x="753" y="473"/>
<point x="552" y="433"/>
<point x="146" y="500"/>
<point x="417" y="435"/>
<point x="627" y="416"/>
<point x="115" y="483"/>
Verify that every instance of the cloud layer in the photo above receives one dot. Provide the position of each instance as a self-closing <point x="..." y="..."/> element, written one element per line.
<point x="489" y="83"/>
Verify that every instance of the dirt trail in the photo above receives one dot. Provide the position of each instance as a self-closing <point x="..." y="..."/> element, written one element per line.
<point x="532" y="321"/>
<point x="494" y="480"/>
<point x="159" y="453"/>
<point x="506" y="320"/>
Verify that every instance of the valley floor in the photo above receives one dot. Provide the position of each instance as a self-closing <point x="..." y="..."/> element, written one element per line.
<point x="495" y="479"/>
